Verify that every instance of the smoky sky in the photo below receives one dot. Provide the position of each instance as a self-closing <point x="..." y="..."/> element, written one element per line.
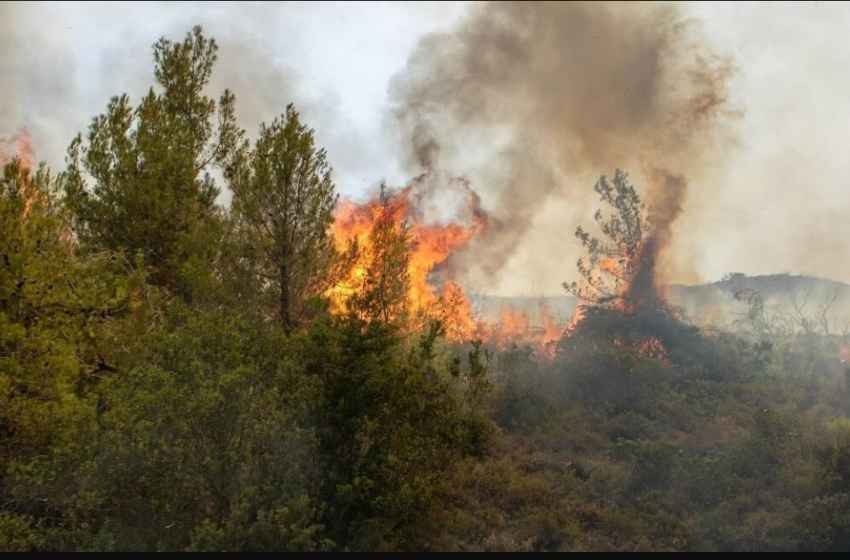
<point x="568" y="90"/>
<point x="531" y="103"/>
<point x="61" y="63"/>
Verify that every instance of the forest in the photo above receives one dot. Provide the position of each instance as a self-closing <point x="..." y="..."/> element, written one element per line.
<point x="290" y="371"/>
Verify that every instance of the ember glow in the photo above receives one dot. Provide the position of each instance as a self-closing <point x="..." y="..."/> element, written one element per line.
<point x="653" y="348"/>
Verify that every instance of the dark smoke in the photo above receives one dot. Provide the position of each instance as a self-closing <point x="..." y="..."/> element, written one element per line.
<point x="665" y="206"/>
<point x="557" y="93"/>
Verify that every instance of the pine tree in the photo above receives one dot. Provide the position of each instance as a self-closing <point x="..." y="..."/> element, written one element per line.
<point x="385" y="293"/>
<point x="612" y="260"/>
<point x="141" y="182"/>
<point x="54" y="308"/>
<point x="283" y="194"/>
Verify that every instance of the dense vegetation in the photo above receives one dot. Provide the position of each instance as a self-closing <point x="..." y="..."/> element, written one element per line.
<point x="171" y="377"/>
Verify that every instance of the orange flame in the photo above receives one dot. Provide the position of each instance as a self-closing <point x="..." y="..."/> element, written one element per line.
<point x="20" y="147"/>
<point x="551" y="330"/>
<point x="432" y="244"/>
<point x="653" y="348"/>
<point x="844" y="354"/>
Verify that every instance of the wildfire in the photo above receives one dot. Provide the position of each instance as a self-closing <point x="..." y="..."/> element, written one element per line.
<point x="518" y="328"/>
<point x="844" y="354"/>
<point x="432" y="290"/>
<point x="20" y="147"/>
<point x="653" y="348"/>
<point x="431" y="247"/>
<point x="620" y="268"/>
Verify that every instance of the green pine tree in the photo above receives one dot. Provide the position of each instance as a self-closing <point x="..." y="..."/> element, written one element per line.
<point x="55" y="313"/>
<point x="142" y="180"/>
<point x="283" y="194"/>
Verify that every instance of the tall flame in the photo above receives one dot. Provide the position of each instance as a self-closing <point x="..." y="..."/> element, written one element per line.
<point x="20" y="147"/>
<point x="433" y="290"/>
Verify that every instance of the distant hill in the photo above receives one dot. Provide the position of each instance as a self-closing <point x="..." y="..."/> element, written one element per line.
<point x="713" y="304"/>
<point x="785" y="296"/>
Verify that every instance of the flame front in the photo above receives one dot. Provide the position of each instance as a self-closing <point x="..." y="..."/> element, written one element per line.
<point x="431" y="246"/>
<point x="437" y="296"/>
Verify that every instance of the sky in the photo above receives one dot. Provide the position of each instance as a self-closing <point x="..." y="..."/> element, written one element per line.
<point x="773" y="198"/>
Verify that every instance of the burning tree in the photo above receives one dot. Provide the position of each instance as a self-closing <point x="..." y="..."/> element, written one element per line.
<point x="382" y="265"/>
<point x="391" y="253"/>
<point x="622" y="309"/>
<point x="398" y="265"/>
<point x="613" y="260"/>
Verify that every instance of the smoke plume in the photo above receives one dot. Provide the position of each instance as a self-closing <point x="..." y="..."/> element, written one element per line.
<point x="665" y="205"/>
<point x="535" y="99"/>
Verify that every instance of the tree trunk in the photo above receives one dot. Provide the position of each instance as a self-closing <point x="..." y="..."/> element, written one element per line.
<point x="285" y="299"/>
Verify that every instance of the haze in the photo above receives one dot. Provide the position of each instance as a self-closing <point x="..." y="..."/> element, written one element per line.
<point x="769" y="197"/>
